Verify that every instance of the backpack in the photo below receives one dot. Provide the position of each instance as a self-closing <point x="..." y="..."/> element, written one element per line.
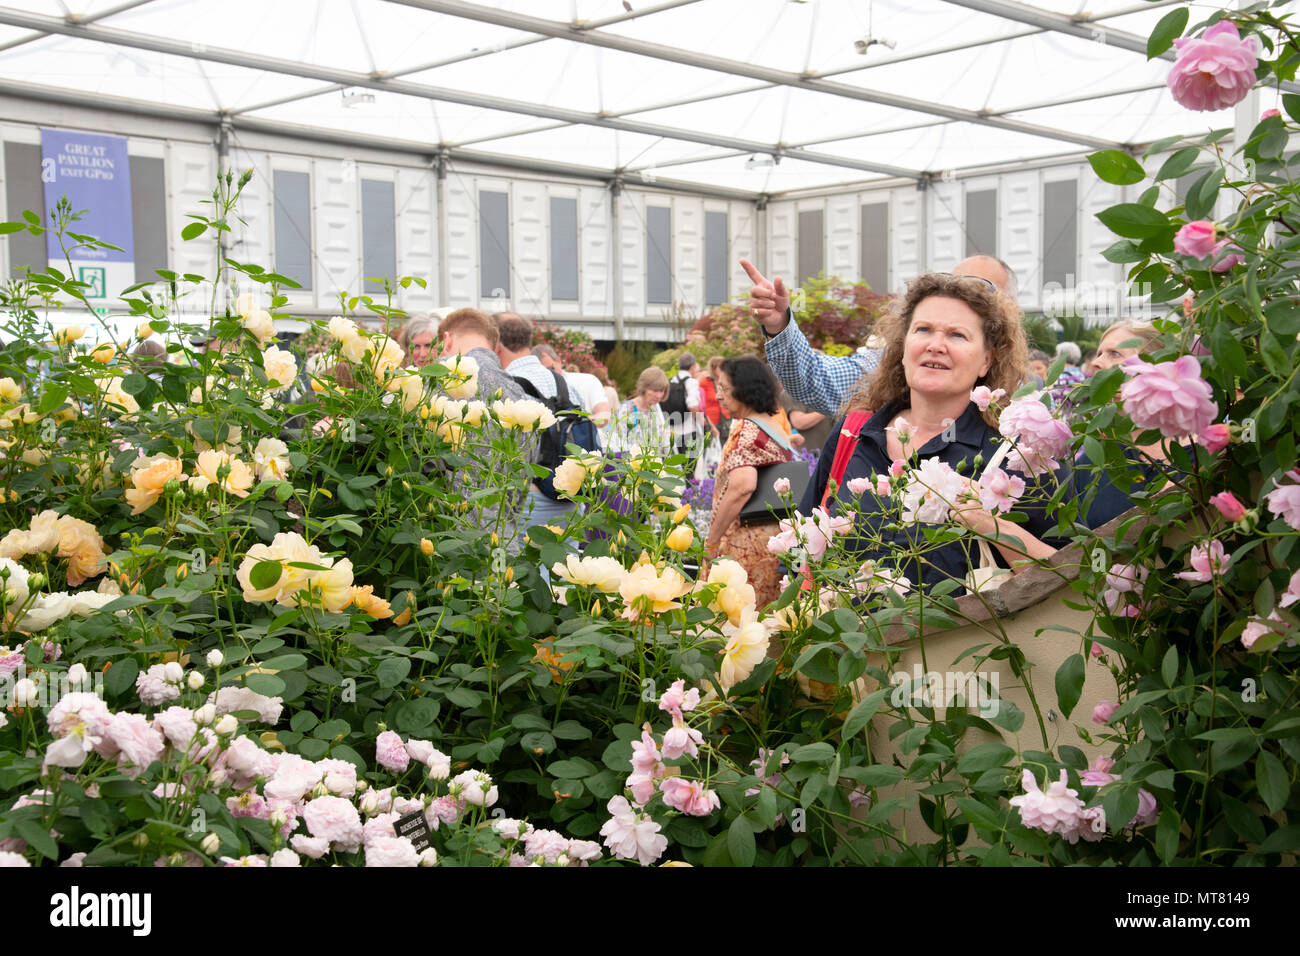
<point x="674" y="404"/>
<point x="572" y="427"/>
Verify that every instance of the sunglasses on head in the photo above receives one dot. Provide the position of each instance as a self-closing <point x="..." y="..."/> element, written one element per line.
<point x="988" y="283"/>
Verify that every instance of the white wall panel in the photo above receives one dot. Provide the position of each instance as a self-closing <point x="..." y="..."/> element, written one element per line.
<point x="336" y="225"/>
<point x="782" y="234"/>
<point x="462" y="242"/>
<point x="1020" y="236"/>
<point x="1094" y="238"/>
<point x="191" y="174"/>
<point x="250" y="236"/>
<point x="530" y="276"/>
<point x="905" y="227"/>
<point x="742" y="222"/>
<point x="946" y="240"/>
<point x="842" y="224"/>
<point x="594" y="260"/>
<point x="417" y="237"/>
<point x="631" y="215"/>
<point x="688" y="253"/>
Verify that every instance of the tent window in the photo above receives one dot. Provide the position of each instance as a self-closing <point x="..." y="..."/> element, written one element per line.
<point x="1060" y="232"/>
<point x="658" y="250"/>
<point x="982" y="222"/>
<point x="874" y="267"/>
<point x="715" y="258"/>
<point x="293" y="225"/>
<point x="378" y="233"/>
<point x="494" y="244"/>
<point x="564" y="249"/>
<point x="812" y="244"/>
<point x="148" y="216"/>
<point x="23" y="190"/>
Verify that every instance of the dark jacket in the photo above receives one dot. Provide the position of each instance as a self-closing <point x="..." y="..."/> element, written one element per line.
<point x="972" y="436"/>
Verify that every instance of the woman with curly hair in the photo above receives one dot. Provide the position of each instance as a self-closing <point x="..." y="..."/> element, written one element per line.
<point x="947" y="335"/>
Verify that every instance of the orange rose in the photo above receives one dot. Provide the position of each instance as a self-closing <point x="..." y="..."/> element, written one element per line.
<point x="149" y="476"/>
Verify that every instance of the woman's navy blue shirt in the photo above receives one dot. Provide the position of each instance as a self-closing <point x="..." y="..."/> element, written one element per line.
<point x="972" y="436"/>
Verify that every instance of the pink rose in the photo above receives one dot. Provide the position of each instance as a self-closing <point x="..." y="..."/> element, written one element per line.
<point x="1215" y="71"/>
<point x="983" y="397"/>
<point x="689" y="797"/>
<point x="1196" y="239"/>
<point x="896" y="468"/>
<point x="1215" y="438"/>
<point x="392" y="851"/>
<point x="1103" y="712"/>
<point x="1054" y="811"/>
<point x="1267" y="113"/>
<point x="681" y="739"/>
<point x="1223" y="261"/>
<point x="1168" y="396"/>
<point x="882" y="486"/>
<point x="859" y="485"/>
<point x="391" y="752"/>
<point x="1292" y="592"/>
<point x="678" y="698"/>
<point x="999" y="491"/>
<point x="336" y="820"/>
<point x="1040" y="438"/>
<point x="1098" y="773"/>
<point x="140" y="744"/>
<point x="1206" y="562"/>
<point x="632" y="835"/>
<point x="1284" y="500"/>
<point x="781" y="485"/>
<point x="1229" y="506"/>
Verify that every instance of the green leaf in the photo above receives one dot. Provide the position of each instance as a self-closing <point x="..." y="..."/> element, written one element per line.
<point x="876" y="775"/>
<point x="38" y="836"/>
<point x="863" y="711"/>
<point x="813" y="753"/>
<point x="265" y="574"/>
<point x="984" y="757"/>
<point x="981" y="816"/>
<point x="303" y="721"/>
<point x="1291" y="103"/>
<point x="1167" y="833"/>
<point x="392" y="671"/>
<point x="1169" y="29"/>
<point x="1203" y="194"/>
<point x="194" y="230"/>
<point x="740" y="842"/>
<point x="464" y="697"/>
<point x="1169" y="667"/>
<point x="1134" y="220"/>
<point x="1178" y="163"/>
<point x="1069" y="683"/>
<point x="1123" y="251"/>
<point x="1273" y="781"/>
<point x="286" y="662"/>
<point x="536" y="740"/>
<point x="121" y="676"/>
<point x="570" y="730"/>
<point x="1009" y="717"/>
<point x="266" y="684"/>
<point x="1115" y="166"/>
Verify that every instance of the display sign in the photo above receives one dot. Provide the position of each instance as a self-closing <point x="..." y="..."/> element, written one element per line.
<point x="94" y="172"/>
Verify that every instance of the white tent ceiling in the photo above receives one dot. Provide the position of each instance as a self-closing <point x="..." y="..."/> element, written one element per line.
<point x="690" y="91"/>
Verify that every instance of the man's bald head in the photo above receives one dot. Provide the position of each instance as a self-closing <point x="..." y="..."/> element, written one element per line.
<point x="995" y="270"/>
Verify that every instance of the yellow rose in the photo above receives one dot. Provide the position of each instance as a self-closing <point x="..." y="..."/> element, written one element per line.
<point x="69" y="334"/>
<point x="341" y="328"/>
<point x="681" y="537"/>
<point x="148" y="476"/>
<point x="364" y="600"/>
<point x="143" y="331"/>
<point x="680" y="514"/>
<point x="426" y="547"/>
<point x="81" y="544"/>
<point x="103" y="354"/>
<point x="553" y="662"/>
<point x="259" y="322"/>
<point x="388" y="356"/>
<point x="524" y="414"/>
<point x="606" y="574"/>
<point x="660" y="589"/>
<point x="237" y="482"/>
<point x="281" y="368"/>
<point x="271" y="459"/>
<point x="115" y="396"/>
<point x="355" y="347"/>
<point x="334" y="585"/>
<point x="569" y="477"/>
<point x="411" y="389"/>
<point x="10" y="390"/>
<point x="745" y="648"/>
<point x="462" y="376"/>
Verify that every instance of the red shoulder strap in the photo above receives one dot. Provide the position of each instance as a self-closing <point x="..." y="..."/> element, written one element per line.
<point x="844" y="448"/>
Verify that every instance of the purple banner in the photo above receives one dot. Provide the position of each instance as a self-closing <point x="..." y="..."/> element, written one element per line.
<point x="93" y="171"/>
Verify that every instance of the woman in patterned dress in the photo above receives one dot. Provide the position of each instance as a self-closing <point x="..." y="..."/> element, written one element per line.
<point x="748" y="391"/>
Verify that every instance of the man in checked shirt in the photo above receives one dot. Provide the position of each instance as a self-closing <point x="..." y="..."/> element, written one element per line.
<point x="821" y="381"/>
